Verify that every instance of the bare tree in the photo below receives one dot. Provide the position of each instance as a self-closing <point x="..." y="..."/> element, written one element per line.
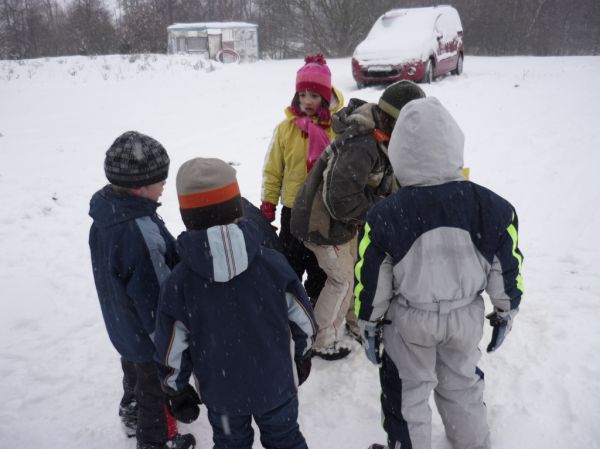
<point x="143" y="26"/>
<point x="337" y="26"/>
<point x="89" y="28"/>
<point x="30" y="28"/>
<point x="278" y="32"/>
<point x="291" y="28"/>
<point x="14" y="42"/>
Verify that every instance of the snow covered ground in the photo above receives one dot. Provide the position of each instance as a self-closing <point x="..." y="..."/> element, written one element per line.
<point x="532" y="134"/>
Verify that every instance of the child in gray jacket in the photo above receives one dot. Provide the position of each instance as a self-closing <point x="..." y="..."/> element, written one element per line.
<point x="425" y="255"/>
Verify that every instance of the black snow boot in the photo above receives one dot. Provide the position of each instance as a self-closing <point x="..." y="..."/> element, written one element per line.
<point x="333" y="352"/>
<point x="179" y="441"/>
<point x="377" y="446"/>
<point x="128" y="415"/>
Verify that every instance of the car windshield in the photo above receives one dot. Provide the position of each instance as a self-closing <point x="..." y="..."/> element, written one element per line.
<point x="404" y="24"/>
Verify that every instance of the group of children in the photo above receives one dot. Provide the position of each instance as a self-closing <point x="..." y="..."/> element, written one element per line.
<point x="369" y="191"/>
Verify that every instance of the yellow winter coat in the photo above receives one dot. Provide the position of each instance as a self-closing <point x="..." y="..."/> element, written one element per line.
<point x="284" y="169"/>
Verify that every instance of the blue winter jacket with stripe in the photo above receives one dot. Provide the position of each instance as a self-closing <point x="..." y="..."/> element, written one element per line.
<point x="132" y="253"/>
<point x="234" y="313"/>
<point x="439" y="238"/>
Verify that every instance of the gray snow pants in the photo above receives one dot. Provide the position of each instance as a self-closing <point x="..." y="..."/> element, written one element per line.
<point x="433" y="350"/>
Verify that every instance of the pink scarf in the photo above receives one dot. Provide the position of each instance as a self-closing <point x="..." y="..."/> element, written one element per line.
<point x="317" y="139"/>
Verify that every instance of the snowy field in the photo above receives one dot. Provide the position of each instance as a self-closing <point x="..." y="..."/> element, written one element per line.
<point x="532" y="131"/>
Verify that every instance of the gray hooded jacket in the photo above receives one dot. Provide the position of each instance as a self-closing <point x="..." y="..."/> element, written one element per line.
<point x="439" y="238"/>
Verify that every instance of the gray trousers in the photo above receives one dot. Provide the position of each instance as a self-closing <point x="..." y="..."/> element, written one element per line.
<point x="429" y="350"/>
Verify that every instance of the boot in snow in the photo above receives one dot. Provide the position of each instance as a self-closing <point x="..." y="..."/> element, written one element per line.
<point x="333" y="352"/>
<point x="377" y="446"/>
<point x="128" y="415"/>
<point x="179" y="441"/>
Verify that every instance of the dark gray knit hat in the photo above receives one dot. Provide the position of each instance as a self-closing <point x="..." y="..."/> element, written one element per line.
<point x="136" y="160"/>
<point x="396" y="95"/>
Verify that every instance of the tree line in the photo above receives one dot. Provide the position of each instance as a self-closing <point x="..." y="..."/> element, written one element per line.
<point x="288" y="28"/>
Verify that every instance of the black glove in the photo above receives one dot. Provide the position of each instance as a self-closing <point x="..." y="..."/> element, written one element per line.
<point x="303" y="366"/>
<point x="184" y="404"/>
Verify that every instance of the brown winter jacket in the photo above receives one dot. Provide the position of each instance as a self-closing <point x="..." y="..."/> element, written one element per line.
<point x="352" y="174"/>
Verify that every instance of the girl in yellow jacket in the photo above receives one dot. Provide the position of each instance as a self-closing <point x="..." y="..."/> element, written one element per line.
<point x="297" y="143"/>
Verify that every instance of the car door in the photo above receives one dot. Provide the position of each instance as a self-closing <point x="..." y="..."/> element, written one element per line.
<point x="447" y="44"/>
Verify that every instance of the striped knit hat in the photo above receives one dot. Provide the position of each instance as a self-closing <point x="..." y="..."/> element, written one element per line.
<point x="208" y="193"/>
<point x="315" y="76"/>
<point x="135" y="160"/>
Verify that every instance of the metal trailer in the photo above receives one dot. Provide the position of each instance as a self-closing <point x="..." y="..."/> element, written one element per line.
<point x="222" y="41"/>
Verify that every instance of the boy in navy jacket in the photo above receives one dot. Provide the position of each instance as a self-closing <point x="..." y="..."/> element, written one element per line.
<point x="132" y="253"/>
<point x="235" y="315"/>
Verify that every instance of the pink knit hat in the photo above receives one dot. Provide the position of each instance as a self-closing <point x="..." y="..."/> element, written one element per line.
<point x="315" y="76"/>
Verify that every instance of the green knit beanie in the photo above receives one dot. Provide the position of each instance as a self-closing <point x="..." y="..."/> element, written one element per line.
<point x="396" y="95"/>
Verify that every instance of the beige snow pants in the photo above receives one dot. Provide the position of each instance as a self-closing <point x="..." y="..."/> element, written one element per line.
<point x="337" y="261"/>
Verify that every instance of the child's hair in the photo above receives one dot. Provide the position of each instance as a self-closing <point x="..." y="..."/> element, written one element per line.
<point x="385" y="122"/>
<point x="323" y="114"/>
<point x="121" y="190"/>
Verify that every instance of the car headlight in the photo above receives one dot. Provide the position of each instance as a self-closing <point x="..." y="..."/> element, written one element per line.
<point x="411" y="70"/>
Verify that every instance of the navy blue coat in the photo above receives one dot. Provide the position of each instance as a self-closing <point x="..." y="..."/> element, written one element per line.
<point x="236" y="314"/>
<point x="253" y="213"/>
<point x="132" y="253"/>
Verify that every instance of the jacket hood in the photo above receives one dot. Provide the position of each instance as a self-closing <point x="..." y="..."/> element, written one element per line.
<point x="337" y="100"/>
<point x="220" y="253"/>
<point x="427" y="145"/>
<point x="356" y="119"/>
<point x="108" y="208"/>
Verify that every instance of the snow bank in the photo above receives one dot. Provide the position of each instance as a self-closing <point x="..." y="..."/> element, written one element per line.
<point x="107" y="68"/>
<point x="531" y="127"/>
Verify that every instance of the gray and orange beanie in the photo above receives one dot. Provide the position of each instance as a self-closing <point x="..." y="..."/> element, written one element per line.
<point x="208" y="193"/>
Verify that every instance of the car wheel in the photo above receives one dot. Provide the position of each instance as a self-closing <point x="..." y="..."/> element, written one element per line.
<point x="428" y="76"/>
<point x="459" y="65"/>
<point x="360" y="85"/>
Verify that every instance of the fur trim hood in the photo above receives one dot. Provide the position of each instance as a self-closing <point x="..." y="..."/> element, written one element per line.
<point x="356" y="119"/>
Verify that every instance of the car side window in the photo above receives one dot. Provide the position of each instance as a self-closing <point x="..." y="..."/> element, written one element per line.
<point x="438" y="27"/>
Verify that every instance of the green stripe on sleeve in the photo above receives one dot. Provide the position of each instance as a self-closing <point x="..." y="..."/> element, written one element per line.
<point x="512" y="231"/>
<point x="362" y="248"/>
